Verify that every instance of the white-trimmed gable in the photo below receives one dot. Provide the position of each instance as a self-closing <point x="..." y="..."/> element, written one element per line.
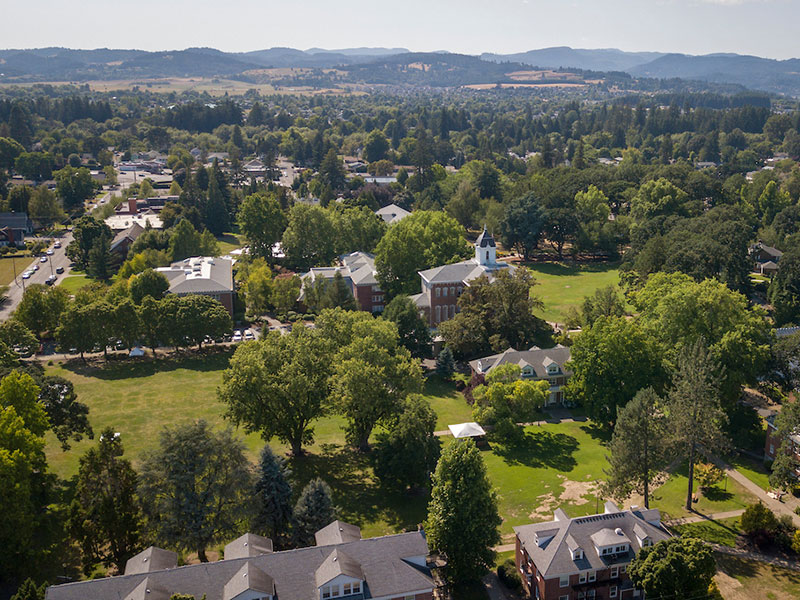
<point x="341" y="586"/>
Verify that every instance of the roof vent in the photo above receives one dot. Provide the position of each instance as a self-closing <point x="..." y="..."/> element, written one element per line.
<point x="618" y="531"/>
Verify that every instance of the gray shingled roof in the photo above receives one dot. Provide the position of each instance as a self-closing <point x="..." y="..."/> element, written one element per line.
<point x="554" y="557"/>
<point x="391" y="565"/>
<point x="151" y="559"/>
<point x="392" y="213"/>
<point x="537" y="358"/>
<point x="249" y="577"/>
<point x="485" y="239"/>
<point x="146" y="590"/>
<point x="248" y="545"/>
<point x="337" y="533"/>
<point x="131" y="233"/>
<point x="337" y="563"/>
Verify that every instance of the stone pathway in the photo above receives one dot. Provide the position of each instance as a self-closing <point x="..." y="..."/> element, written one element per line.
<point x="493" y="587"/>
<point x="700" y="517"/>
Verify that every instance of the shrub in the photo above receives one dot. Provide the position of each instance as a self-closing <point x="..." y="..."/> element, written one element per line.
<point x="509" y="576"/>
<point x="759" y="523"/>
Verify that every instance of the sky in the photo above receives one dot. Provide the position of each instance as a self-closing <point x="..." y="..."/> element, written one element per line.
<point x="760" y="27"/>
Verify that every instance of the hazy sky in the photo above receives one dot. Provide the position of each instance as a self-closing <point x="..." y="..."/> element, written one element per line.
<point x="761" y="27"/>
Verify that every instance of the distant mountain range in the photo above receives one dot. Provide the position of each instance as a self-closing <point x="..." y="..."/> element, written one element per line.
<point x="392" y="65"/>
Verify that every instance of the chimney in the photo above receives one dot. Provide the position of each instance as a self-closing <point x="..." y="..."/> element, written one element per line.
<point x="132" y="206"/>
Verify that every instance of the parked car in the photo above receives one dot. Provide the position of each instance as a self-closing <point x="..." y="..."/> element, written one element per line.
<point x="57" y="245"/>
<point x="59" y="270"/>
<point x="49" y="252"/>
<point x="26" y="275"/>
<point x="50" y="280"/>
<point x="249" y="335"/>
<point x="35" y="267"/>
<point x="43" y="259"/>
<point x="237" y="336"/>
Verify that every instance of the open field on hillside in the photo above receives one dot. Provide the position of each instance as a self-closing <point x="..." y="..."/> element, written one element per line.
<point x="214" y="86"/>
<point x="9" y="265"/>
<point x="562" y="285"/>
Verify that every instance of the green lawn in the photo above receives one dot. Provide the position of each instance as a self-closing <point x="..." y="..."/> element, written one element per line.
<point x="744" y="579"/>
<point x="9" y="265"/>
<point x="228" y="242"/>
<point x="670" y="498"/>
<point x="722" y="532"/>
<point x="561" y="285"/>
<point x="552" y="466"/>
<point x="73" y="283"/>
<point x="138" y="399"/>
<point x="753" y="469"/>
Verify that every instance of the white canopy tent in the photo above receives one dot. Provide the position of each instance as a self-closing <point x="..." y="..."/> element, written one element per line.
<point x="466" y="430"/>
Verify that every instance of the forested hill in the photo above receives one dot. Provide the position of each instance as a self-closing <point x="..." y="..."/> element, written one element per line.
<point x="396" y="66"/>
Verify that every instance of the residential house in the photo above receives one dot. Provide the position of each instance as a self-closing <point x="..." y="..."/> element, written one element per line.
<point x="124" y="239"/>
<point x="358" y="271"/>
<point x="773" y="444"/>
<point x="763" y="254"/>
<point x="392" y="214"/>
<point x="441" y="286"/>
<point x="536" y="364"/>
<point x="206" y="275"/>
<point x="342" y="565"/>
<point x="380" y="180"/>
<point x="585" y="557"/>
<point x="16" y="226"/>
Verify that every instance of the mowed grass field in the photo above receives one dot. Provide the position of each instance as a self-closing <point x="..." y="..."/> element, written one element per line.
<point x="745" y="579"/>
<point x="9" y="265"/>
<point x="562" y="285"/>
<point x="138" y="399"/>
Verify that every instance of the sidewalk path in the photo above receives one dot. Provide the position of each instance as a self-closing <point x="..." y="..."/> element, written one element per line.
<point x="700" y="517"/>
<point x="493" y="587"/>
<point x="553" y="420"/>
<point x="775" y="506"/>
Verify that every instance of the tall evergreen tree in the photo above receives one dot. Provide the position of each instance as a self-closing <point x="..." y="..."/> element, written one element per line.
<point x="696" y="418"/>
<point x="105" y="516"/>
<point x="100" y="265"/>
<point x="313" y="511"/>
<point x="216" y="215"/>
<point x="462" y="514"/>
<point x="274" y="495"/>
<point x="338" y="294"/>
<point x="445" y="363"/>
<point x="28" y="590"/>
<point x="638" y="447"/>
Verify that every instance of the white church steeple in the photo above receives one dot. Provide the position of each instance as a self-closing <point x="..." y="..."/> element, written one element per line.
<point x="485" y="249"/>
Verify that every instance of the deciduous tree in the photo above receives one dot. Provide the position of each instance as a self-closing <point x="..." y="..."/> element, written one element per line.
<point x="680" y="567"/>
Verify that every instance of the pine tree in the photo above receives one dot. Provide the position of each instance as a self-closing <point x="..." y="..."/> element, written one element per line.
<point x="100" y="265"/>
<point x="313" y="511"/>
<point x="445" y="363"/>
<point x="695" y="415"/>
<point x="638" y="447"/>
<point x="274" y="495"/>
<point x="216" y="217"/>
<point x="337" y="294"/>
<point x="28" y="590"/>
<point x="462" y="514"/>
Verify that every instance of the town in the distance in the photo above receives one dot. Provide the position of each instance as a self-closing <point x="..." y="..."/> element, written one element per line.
<point x="376" y="324"/>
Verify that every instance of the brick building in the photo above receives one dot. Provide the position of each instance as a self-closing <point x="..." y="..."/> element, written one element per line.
<point x="441" y="286"/>
<point x="358" y="271"/>
<point x="585" y="557"/>
<point x="205" y="275"/>
<point x="773" y="444"/>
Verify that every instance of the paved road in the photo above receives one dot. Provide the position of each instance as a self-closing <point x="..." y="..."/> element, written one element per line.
<point x="16" y="287"/>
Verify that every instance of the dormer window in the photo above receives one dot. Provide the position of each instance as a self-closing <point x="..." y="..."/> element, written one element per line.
<point x="577" y="554"/>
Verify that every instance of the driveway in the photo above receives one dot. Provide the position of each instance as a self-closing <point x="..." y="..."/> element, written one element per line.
<point x="17" y="287"/>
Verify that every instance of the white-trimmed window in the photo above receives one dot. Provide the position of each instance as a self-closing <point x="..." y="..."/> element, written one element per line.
<point x="326" y="591"/>
<point x="591" y="593"/>
<point x="564" y="597"/>
<point x="335" y="591"/>
<point x="347" y="589"/>
<point x="612" y="593"/>
<point x="614" y="571"/>
<point x="438" y="292"/>
<point x="452" y="290"/>
<point x="444" y="292"/>
<point x="563" y="581"/>
<point x="438" y="314"/>
<point x="623" y="568"/>
<point x="592" y="575"/>
<point x="582" y="578"/>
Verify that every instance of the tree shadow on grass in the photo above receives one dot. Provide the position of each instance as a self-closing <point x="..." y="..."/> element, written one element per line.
<point x="539" y="449"/>
<point x="565" y="269"/>
<point x="597" y="432"/>
<point x="715" y="494"/>
<point x="736" y="567"/>
<point x="214" y="359"/>
<point x="360" y="497"/>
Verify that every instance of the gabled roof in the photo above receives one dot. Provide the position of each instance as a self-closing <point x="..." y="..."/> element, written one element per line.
<point x="151" y="559"/>
<point x="148" y="590"/>
<point x="462" y="272"/>
<point x="199" y="275"/>
<point x="130" y="234"/>
<point x="392" y="566"/>
<point x="392" y="213"/>
<point x="769" y="250"/>
<point x="485" y="239"/>
<point x="336" y="533"/>
<point x="249" y="577"/>
<point x="15" y="220"/>
<point x="537" y="358"/>
<point x="248" y="545"/>
<point x="554" y="558"/>
<point x="338" y="563"/>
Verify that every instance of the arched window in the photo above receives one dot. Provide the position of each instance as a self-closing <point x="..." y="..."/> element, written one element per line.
<point x="438" y="314"/>
<point x="487" y="256"/>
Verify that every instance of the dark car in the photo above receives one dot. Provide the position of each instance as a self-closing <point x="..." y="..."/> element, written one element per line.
<point x="59" y="270"/>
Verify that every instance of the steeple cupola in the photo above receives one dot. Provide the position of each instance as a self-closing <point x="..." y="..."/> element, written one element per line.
<point x="485" y="249"/>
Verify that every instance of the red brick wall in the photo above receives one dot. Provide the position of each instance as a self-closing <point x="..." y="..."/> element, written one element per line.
<point x="364" y="294"/>
<point x="445" y="302"/>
